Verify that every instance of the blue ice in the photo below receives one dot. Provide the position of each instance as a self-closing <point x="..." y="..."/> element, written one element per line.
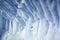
<point x="29" y="19"/>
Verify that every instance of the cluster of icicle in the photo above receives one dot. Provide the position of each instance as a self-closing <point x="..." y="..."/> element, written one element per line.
<point x="34" y="20"/>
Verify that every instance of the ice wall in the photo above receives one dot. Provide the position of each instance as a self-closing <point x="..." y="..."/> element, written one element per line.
<point x="29" y="19"/>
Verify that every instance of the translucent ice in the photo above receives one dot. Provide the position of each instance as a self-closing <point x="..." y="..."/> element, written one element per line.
<point x="29" y="19"/>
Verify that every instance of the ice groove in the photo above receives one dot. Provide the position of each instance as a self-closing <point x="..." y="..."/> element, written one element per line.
<point x="29" y="19"/>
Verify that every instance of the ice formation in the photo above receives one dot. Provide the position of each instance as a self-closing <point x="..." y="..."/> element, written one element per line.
<point x="29" y="19"/>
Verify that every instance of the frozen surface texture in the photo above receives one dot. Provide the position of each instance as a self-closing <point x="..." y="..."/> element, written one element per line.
<point x="29" y="19"/>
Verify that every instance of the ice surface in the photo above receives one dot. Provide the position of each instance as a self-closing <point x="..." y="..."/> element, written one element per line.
<point x="29" y="19"/>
